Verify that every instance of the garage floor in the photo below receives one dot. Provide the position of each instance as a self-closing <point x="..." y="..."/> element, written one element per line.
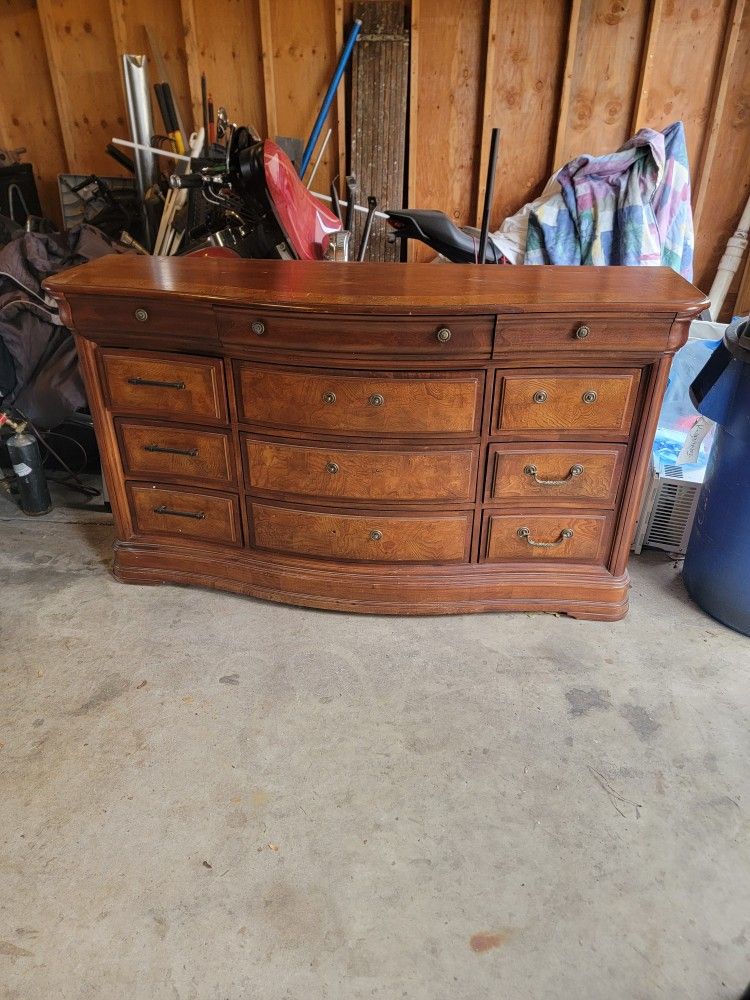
<point x="209" y="797"/>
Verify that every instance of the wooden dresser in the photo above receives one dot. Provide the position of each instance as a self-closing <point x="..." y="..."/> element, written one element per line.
<point x="405" y="439"/>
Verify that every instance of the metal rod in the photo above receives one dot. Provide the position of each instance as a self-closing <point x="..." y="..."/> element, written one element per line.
<point x="357" y="208"/>
<point x="351" y="187"/>
<point x="152" y="149"/>
<point x="372" y="204"/>
<point x="330" y="94"/>
<point x="320" y="157"/>
<point x="488" y="194"/>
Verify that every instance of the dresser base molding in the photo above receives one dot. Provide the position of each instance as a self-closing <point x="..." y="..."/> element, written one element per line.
<point x="582" y="592"/>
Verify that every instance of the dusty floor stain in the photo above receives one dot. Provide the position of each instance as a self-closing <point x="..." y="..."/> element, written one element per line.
<point x="487" y="940"/>
<point x="230" y="679"/>
<point x="584" y="700"/>
<point x="8" y="948"/>
<point x="644" y="724"/>
<point x="110" y="688"/>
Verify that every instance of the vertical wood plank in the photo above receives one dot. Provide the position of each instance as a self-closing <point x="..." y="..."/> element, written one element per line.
<point x="488" y="103"/>
<point x="193" y="66"/>
<point x="521" y="97"/>
<point x="448" y="52"/>
<point x="414" y="55"/>
<point x="340" y="129"/>
<point x="717" y="111"/>
<point x="605" y="71"/>
<point x="223" y="40"/>
<point x="567" y="83"/>
<point x="84" y="70"/>
<point x="269" y="80"/>
<point x="648" y="58"/>
<point x="34" y="125"/>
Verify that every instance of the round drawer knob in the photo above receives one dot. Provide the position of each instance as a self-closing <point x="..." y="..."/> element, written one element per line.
<point x="329" y="397"/>
<point x="576" y="470"/>
<point x="540" y="396"/>
<point x="376" y="535"/>
<point x="258" y="328"/>
<point x="376" y="399"/>
<point x="332" y="468"/>
<point x="589" y="397"/>
<point x="444" y="335"/>
<point x="141" y="315"/>
<point x="582" y="332"/>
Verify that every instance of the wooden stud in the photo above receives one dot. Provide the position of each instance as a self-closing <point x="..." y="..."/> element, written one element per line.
<point x="340" y="99"/>
<point x="710" y="141"/>
<point x="487" y="103"/>
<point x="194" y="62"/>
<point x="567" y="83"/>
<point x="269" y="83"/>
<point x="647" y="65"/>
<point x="411" y="186"/>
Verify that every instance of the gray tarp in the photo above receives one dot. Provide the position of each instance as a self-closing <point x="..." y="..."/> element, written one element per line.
<point x="30" y="324"/>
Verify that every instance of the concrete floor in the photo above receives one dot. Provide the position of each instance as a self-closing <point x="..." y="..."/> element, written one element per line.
<point x="204" y="797"/>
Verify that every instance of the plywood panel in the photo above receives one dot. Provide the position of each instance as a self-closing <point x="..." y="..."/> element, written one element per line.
<point x="84" y="68"/>
<point x="596" y="116"/>
<point x="447" y="102"/>
<point x="33" y="124"/>
<point x="222" y="39"/>
<point x="522" y="98"/>
<point x="302" y="47"/>
<point x="729" y="180"/>
<point x="688" y="40"/>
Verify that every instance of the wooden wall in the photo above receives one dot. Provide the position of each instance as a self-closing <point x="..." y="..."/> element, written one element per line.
<point x="560" y="77"/>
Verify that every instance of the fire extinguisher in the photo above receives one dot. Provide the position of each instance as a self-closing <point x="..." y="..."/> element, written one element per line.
<point x="26" y="459"/>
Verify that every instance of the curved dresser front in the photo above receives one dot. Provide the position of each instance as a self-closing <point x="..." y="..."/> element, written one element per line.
<point x="406" y="439"/>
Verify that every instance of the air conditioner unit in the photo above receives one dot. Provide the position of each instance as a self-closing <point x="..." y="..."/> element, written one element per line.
<point x="668" y="509"/>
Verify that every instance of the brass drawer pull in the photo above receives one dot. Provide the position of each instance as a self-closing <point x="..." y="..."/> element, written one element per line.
<point x="189" y="452"/>
<point x="531" y="470"/>
<point x="589" y="397"/>
<point x="198" y="515"/>
<point x="332" y="467"/>
<point x="376" y="399"/>
<point x="156" y="382"/>
<point x="444" y="335"/>
<point x="565" y="534"/>
<point x="582" y="332"/>
<point x="376" y="535"/>
<point x="540" y="396"/>
<point x="329" y="397"/>
<point x="141" y="315"/>
<point x="258" y="328"/>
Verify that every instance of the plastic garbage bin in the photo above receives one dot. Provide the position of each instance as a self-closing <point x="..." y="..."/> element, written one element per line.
<point x="717" y="562"/>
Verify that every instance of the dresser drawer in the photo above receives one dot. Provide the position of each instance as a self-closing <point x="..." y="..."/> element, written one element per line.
<point x="175" y="452"/>
<point x="175" y="386"/>
<point x="406" y="336"/>
<point x="368" y="537"/>
<point x="191" y="514"/>
<point x="345" y="472"/>
<point x="391" y="403"/>
<point x="524" y="535"/>
<point x="555" y="473"/>
<point x="145" y="317"/>
<point x="582" y="333"/>
<point x="578" y="401"/>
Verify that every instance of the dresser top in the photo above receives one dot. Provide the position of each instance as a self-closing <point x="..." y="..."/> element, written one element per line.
<point x="370" y="287"/>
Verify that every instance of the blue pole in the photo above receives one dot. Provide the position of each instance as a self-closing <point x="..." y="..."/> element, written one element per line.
<point x="328" y="99"/>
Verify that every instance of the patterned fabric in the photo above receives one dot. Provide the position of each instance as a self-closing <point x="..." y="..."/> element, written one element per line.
<point x="629" y="207"/>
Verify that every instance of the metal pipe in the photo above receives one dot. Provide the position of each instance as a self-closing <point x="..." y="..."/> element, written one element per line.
<point x="138" y="99"/>
<point x="488" y="194"/>
<point x="330" y="94"/>
<point x="372" y="204"/>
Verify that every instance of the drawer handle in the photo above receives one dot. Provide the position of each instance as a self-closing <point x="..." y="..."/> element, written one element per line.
<point x="565" y="534"/>
<point x="540" y="396"/>
<point x="582" y="332"/>
<point x="589" y="397"/>
<point x="141" y="315"/>
<point x="258" y="328"/>
<point x="189" y="452"/>
<point x="376" y="399"/>
<point x="329" y="397"/>
<point x="332" y="467"/>
<point x="531" y="470"/>
<point x="155" y="382"/>
<point x="198" y="515"/>
<point x="444" y="335"/>
<point x="376" y="535"/>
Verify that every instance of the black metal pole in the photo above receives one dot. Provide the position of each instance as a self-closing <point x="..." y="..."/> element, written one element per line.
<point x="489" y="191"/>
